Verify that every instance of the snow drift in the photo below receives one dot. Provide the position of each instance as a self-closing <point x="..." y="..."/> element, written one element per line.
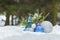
<point x="17" y="33"/>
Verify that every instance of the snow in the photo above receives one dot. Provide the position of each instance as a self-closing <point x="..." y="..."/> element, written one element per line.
<point x="17" y="33"/>
<point x="8" y="31"/>
<point x="56" y="29"/>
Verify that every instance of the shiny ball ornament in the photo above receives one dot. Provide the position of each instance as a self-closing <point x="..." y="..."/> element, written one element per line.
<point x="47" y="25"/>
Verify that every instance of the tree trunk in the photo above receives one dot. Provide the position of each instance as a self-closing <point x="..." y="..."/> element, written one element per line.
<point x="19" y="20"/>
<point x="12" y="20"/>
<point x="7" y="19"/>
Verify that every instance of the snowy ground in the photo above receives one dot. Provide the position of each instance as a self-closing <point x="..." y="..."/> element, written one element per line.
<point x="17" y="33"/>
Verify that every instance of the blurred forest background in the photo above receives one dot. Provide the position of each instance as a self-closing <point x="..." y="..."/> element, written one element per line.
<point x="20" y="8"/>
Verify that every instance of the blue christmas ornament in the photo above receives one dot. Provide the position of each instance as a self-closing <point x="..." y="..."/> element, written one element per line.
<point x="29" y="25"/>
<point x="27" y="28"/>
<point x="29" y="19"/>
<point x="38" y="28"/>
